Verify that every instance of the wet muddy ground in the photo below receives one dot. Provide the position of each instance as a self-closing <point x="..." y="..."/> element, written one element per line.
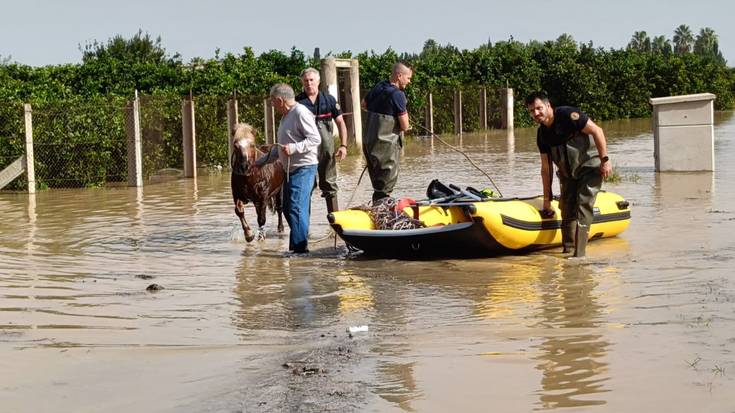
<point x="645" y="323"/>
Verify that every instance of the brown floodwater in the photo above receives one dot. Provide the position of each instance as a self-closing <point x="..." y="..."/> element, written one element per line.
<point x="645" y="323"/>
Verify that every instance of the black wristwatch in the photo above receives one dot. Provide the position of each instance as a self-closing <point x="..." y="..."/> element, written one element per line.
<point x="604" y="159"/>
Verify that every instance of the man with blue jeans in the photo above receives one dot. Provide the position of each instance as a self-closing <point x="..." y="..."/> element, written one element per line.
<point x="299" y="139"/>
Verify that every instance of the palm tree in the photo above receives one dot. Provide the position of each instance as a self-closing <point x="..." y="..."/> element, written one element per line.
<point x="707" y="45"/>
<point x="566" y="40"/>
<point x="706" y="42"/>
<point x="683" y="39"/>
<point x="640" y="42"/>
<point x="660" y="44"/>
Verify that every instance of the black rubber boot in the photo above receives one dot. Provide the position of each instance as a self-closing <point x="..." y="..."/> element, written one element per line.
<point x="568" y="231"/>
<point x="580" y="246"/>
<point x="331" y="204"/>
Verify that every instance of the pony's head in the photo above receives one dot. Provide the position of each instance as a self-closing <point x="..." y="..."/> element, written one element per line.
<point x="243" y="147"/>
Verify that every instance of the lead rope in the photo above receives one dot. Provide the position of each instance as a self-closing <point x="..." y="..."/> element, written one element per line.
<point x="433" y="135"/>
<point x="354" y="191"/>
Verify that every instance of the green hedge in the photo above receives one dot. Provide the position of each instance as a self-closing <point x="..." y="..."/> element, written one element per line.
<point x="87" y="99"/>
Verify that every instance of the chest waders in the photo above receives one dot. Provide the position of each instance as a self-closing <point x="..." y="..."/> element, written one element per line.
<point x="580" y="180"/>
<point x="382" y="146"/>
<point x="327" y="168"/>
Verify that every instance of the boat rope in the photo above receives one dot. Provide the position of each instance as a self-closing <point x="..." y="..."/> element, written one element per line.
<point x="357" y="185"/>
<point x="433" y="135"/>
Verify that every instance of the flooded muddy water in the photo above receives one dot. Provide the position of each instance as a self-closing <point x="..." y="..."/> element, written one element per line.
<point x="645" y="323"/>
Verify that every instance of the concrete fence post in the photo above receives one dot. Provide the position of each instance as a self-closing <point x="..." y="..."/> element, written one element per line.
<point x="135" y="151"/>
<point x="329" y="76"/>
<point x="29" y="159"/>
<point x="458" y="112"/>
<point x="429" y="121"/>
<point x="189" y="136"/>
<point x="356" y="100"/>
<point x="233" y="119"/>
<point x="483" y="109"/>
<point x="356" y="107"/>
<point x="506" y="113"/>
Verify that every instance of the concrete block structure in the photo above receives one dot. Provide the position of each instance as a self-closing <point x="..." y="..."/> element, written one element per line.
<point x="341" y="79"/>
<point x="683" y="133"/>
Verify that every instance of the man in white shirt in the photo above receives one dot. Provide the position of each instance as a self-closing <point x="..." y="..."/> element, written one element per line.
<point x="299" y="139"/>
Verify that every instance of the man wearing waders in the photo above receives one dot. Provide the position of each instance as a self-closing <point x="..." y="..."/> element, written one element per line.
<point x="567" y="137"/>
<point x="386" y="119"/>
<point x="325" y="109"/>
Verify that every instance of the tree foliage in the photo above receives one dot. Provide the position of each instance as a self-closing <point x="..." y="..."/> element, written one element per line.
<point x="607" y="83"/>
<point x="683" y="39"/>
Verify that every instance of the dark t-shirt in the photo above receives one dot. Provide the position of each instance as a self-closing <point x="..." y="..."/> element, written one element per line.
<point x="325" y="107"/>
<point x="568" y="120"/>
<point x="387" y="99"/>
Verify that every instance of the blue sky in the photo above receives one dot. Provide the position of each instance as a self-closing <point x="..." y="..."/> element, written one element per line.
<point x="41" y="32"/>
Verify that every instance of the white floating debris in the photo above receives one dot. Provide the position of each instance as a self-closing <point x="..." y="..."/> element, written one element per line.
<point x="357" y="329"/>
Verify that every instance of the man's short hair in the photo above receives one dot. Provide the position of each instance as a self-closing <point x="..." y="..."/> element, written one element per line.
<point x="540" y="95"/>
<point x="400" y="67"/>
<point x="309" y="70"/>
<point x="283" y="91"/>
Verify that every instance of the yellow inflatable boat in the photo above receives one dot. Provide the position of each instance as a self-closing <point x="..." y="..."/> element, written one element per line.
<point x="475" y="228"/>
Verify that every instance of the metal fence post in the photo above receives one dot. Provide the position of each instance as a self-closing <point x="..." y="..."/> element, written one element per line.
<point x="135" y="151"/>
<point x="30" y="169"/>
<point x="189" y="136"/>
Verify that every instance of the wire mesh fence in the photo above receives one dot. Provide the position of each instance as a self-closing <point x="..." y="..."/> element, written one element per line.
<point x="211" y="131"/>
<point x="161" y="136"/>
<point x="251" y="110"/>
<point x="12" y="139"/>
<point x="80" y="143"/>
<point x="471" y="99"/>
<point x="85" y="142"/>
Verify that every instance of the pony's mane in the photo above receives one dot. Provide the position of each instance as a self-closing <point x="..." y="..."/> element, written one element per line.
<point x="243" y="130"/>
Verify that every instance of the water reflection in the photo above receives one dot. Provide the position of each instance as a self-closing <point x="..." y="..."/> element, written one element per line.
<point x="276" y="292"/>
<point x="397" y="384"/>
<point x="395" y="381"/>
<point x="574" y="348"/>
<point x="355" y="295"/>
<point x="32" y="223"/>
<point x="511" y="292"/>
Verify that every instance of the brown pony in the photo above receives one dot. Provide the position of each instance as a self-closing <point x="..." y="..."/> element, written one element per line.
<point x="260" y="185"/>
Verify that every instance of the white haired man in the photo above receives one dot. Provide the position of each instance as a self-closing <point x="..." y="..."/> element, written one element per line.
<point x="325" y="109"/>
<point x="299" y="139"/>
